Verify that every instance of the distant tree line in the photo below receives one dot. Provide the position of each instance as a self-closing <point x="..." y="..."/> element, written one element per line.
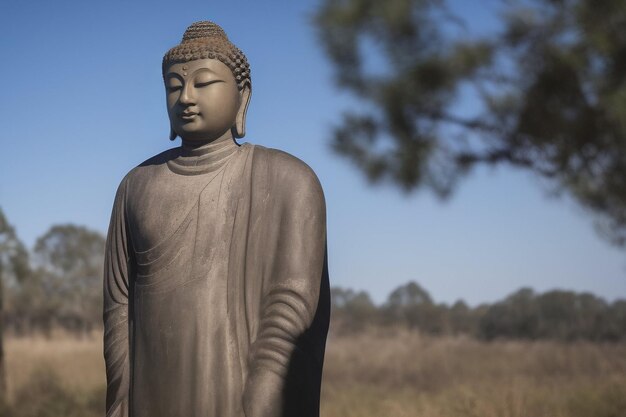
<point x="525" y="314"/>
<point x="59" y="285"/>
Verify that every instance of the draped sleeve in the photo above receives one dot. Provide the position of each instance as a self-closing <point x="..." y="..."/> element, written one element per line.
<point x="116" y="322"/>
<point x="287" y="355"/>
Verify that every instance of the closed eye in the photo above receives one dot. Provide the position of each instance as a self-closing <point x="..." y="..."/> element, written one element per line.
<point x="206" y="83"/>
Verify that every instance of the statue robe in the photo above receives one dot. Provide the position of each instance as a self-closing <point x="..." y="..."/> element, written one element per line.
<point x="216" y="270"/>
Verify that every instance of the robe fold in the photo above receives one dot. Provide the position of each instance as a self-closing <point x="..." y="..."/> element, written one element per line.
<point x="215" y="281"/>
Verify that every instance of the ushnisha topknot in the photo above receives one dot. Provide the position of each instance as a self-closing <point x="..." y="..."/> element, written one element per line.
<point x="208" y="40"/>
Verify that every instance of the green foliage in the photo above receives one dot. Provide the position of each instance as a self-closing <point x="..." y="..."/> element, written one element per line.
<point x="13" y="270"/>
<point x="412" y="305"/>
<point x="354" y="310"/>
<point x="14" y="262"/>
<point x="525" y="314"/>
<point x="61" y="285"/>
<point x="70" y="261"/>
<point x="562" y="315"/>
<point x="547" y="91"/>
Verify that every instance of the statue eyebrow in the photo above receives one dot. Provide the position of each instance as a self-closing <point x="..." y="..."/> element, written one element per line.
<point x="203" y="69"/>
<point x="173" y="75"/>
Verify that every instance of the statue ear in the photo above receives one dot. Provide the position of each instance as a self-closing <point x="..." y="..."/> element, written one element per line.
<point x="240" y="123"/>
<point x="173" y="134"/>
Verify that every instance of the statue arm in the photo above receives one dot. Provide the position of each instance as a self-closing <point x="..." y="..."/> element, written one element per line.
<point x="289" y="347"/>
<point x="116" y="329"/>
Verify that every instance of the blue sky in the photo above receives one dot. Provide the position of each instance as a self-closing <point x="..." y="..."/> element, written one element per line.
<point x="83" y="102"/>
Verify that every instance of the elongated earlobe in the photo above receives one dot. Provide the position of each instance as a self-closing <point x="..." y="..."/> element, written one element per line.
<point x="173" y="134"/>
<point x="239" y="130"/>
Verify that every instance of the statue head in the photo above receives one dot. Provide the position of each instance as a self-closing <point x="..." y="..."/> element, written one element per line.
<point x="207" y="83"/>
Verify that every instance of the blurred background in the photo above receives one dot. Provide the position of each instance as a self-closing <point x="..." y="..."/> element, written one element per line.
<point x="473" y="157"/>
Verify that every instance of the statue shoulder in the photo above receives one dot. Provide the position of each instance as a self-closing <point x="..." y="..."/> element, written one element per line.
<point x="148" y="168"/>
<point x="285" y="167"/>
<point x="289" y="173"/>
<point x="158" y="160"/>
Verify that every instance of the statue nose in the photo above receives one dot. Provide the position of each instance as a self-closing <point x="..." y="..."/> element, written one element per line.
<point x="187" y="96"/>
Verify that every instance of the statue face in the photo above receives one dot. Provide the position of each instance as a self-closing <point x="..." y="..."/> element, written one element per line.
<point x="202" y="99"/>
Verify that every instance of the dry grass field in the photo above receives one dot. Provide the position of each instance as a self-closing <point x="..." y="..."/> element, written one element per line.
<point x="372" y="374"/>
<point x="403" y="374"/>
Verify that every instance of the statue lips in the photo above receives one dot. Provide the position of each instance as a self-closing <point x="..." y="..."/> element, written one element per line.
<point x="188" y="115"/>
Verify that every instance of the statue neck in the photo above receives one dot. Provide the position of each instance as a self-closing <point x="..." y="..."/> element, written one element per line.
<point x="199" y="157"/>
<point x="205" y="147"/>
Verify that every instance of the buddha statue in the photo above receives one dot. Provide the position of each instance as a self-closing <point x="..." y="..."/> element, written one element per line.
<point x="216" y="296"/>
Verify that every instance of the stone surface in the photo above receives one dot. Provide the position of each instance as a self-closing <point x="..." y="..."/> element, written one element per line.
<point x="216" y="294"/>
